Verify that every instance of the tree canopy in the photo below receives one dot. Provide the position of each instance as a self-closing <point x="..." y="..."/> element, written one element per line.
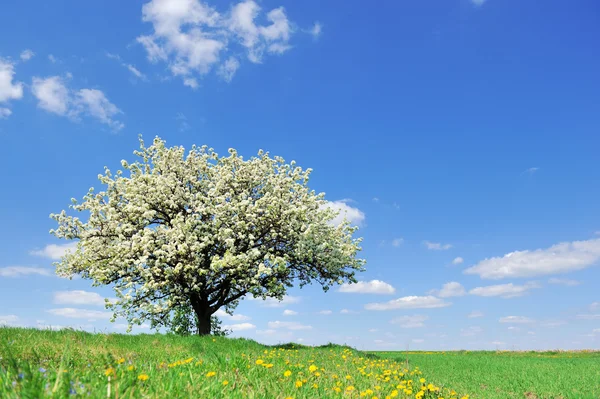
<point x="174" y="229"/>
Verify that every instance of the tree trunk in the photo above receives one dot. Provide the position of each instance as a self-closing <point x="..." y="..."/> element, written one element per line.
<point x="203" y="314"/>
<point x="204" y="325"/>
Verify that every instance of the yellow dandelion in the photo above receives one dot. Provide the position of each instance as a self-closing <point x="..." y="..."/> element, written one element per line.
<point x="298" y="384"/>
<point x="259" y="362"/>
<point x="211" y="374"/>
<point x="143" y="377"/>
<point x="225" y="382"/>
<point x="287" y="373"/>
<point x="109" y="371"/>
<point x="121" y="360"/>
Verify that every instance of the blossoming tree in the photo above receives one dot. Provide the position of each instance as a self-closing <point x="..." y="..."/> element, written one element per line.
<point x="199" y="230"/>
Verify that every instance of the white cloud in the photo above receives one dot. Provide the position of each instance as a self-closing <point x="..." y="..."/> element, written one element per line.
<point x="436" y="246"/>
<point x="191" y="82"/>
<point x="235" y="317"/>
<point x="131" y="68"/>
<point x="325" y="312"/>
<point x="54" y="96"/>
<point x="373" y="330"/>
<point x="396" y="242"/>
<point x="94" y="103"/>
<point x="474" y="314"/>
<point x="289" y="312"/>
<point x="410" y="321"/>
<point x="450" y="289"/>
<point x="497" y="343"/>
<point x="564" y="281"/>
<point x="73" y="313"/>
<point x="239" y="327"/>
<point x="18" y="271"/>
<point x="9" y="90"/>
<point x="588" y="316"/>
<point x="471" y="331"/>
<point x="368" y="287"/>
<point x="316" y="30"/>
<point x="266" y="332"/>
<point x="274" y="303"/>
<point x="516" y="320"/>
<point x="504" y="290"/>
<point x="78" y="297"/>
<point x="192" y="37"/>
<point x="124" y="326"/>
<point x="54" y="251"/>
<point x="458" y="260"/>
<point x="287" y="325"/>
<point x="348" y="311"/>
<point x="52" y="59"/>
<point x="228" y="69"/>
<point x="531" y="170"/>
<point x="10" y="319"/>
<point x="409" y="302"/>
<point x="26" y="55"/>
<point x="353" y="215"/>
<point x="418" y="340"/>
<point x="560" y="258"/>
<point x="595" y="306"/>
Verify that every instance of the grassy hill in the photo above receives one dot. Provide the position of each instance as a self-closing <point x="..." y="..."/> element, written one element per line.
<point x="73" y="364"/>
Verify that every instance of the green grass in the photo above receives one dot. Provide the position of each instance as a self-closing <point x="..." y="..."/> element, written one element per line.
<point x="506" y="375"/>
<point x="74" y="364"/>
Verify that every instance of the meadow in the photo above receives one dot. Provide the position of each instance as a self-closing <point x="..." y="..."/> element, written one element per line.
<point x="73" y="364"/>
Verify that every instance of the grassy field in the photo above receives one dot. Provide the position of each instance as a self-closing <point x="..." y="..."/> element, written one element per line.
<point x="506" y="375"/>
<point x="61" y="364"/>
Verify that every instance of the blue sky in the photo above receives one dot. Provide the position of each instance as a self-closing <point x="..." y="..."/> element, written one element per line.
<point x="461" y="136"/>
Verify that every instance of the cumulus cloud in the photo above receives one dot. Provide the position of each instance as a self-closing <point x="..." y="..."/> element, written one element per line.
<point x="8" y="320"/>
<point x="474" y="314"/>
<point x="560" y="258"/>
<point x="353" y="215"/>
<point x="275" y="303"/>
<point x="325" y="312"/>
<point x="396" y="242"/>
<point x="239" y="327"/>
<point x="234" y="317"/>
<point x="54" y="96"/>
<point x="516" y="320"/>
<point x="458" y="260"/>
<point x="348" y="311"/>
<point x="26" y="55"/>
<point x="436" y="246"/>
<point x="73" y="313"/>
<point x="450" y="289"/>
<point x="192" y="37"/>
<point x="19" y="271"/>
<point x="504" y="290"/>
<point x="368" y="287"/>
<point x="287" y="325"/>
<point x="54" y="251"/>
<point x="9" y="90"/>
<point x="78" y="297"/>
<point x="409" y="302"/>
<point x="288" y="312"/>
<point x="415" y="321"/>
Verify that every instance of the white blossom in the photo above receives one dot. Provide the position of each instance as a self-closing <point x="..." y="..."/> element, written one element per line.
<point x="199" y="229"/>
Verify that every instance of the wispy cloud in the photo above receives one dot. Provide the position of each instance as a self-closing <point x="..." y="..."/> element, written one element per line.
<point x="288" y="325"/>
<point x="79" y="297"/>
<point x="20" y="271"/>
<point x="26" y="55"/>
<point x="73" y="313"/>
<point x="436" y="246"/>
<point x="54" y="251"/>
<point x="415" y="321"/>
<point x="516" y="320"/>
<point x="274" y="303"/>
<point x="564" y="281"/>
<point x="504" y="290"/>
<point x="409" y="302"/>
